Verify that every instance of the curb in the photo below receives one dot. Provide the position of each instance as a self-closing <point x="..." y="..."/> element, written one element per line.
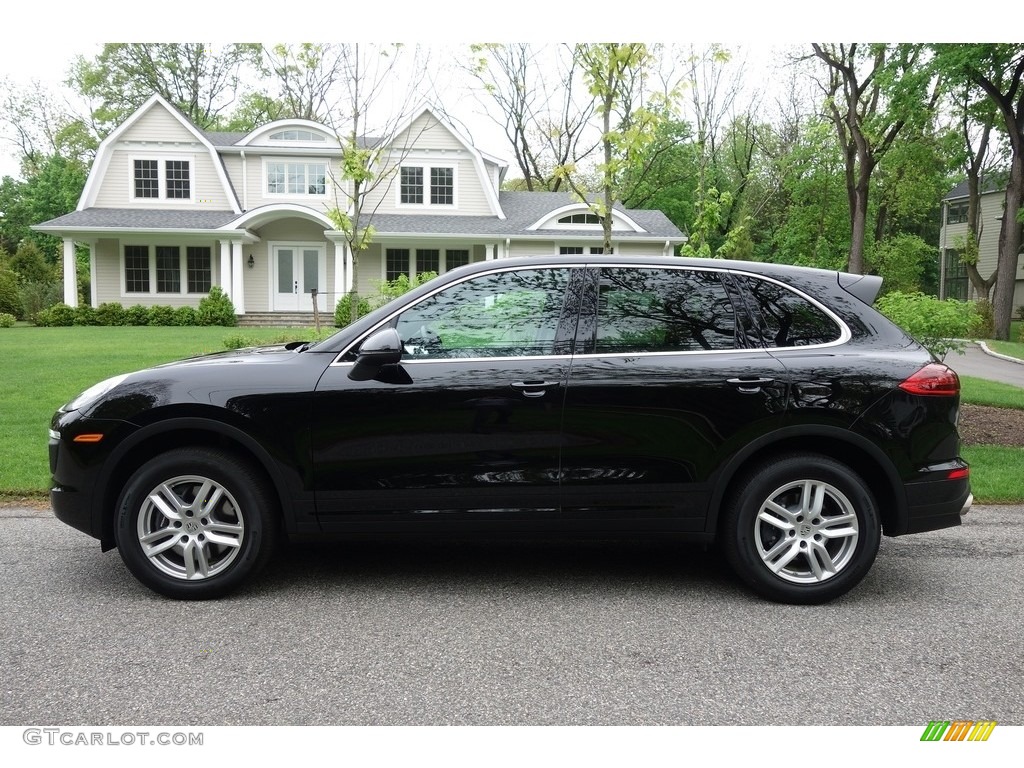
<point x="990" y="353"/>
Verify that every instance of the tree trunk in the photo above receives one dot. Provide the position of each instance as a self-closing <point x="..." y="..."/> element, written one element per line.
<point x="1009" y="248"/>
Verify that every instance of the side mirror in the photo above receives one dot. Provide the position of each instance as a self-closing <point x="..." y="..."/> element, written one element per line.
<point x="382" y="348"/>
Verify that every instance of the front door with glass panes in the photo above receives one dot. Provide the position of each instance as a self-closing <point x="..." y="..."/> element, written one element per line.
<point x="298" y="271"/>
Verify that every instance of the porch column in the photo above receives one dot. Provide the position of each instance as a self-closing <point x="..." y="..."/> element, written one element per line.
<point x="70" y="273"/>
<point x="225" y="268"/>
<point x="237" y="288"/>
<point x="93" y="283"/>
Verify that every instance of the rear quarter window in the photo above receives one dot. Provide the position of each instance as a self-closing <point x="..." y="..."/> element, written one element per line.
<point x="789" y="319"/>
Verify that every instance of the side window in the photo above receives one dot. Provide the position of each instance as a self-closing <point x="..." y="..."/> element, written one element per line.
<point x="788" y="319"/>
<point x="663" y="310"/>
<point x="504" y="314"/>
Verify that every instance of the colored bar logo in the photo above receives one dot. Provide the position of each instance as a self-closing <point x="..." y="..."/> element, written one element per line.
<point x="958" y="730"/>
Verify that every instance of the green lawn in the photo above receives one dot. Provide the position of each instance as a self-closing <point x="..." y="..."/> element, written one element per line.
<point x="43" y="368"/>
<point x="46" y="367"/>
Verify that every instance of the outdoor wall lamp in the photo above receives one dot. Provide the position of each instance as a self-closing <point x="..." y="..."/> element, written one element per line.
<point x="252" y="261"/>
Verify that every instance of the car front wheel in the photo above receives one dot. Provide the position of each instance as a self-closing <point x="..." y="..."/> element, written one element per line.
<point x="193" y="523"/>
<point x="802" y="529"/>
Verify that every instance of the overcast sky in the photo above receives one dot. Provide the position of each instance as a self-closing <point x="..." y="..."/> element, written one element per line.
<point x="41" y="41"/>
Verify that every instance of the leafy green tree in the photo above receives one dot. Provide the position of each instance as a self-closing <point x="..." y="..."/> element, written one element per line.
<point x="629" y="115"/>
<point x="997" y="69"/>
<point x="874" y="93"/>
<point x="51" y="190"/>
<point x="200" y="79"/>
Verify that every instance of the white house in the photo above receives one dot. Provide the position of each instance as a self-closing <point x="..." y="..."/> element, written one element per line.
<point x="954" y="283"/>
<point x="170" y="210"/>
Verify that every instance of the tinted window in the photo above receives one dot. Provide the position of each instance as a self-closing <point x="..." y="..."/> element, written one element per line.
<point x="506" y="314"/>
<point x="789" y="319"/>
<point x="663" y="310"/>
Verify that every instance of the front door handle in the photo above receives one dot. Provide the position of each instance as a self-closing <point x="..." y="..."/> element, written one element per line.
<point x="534" y="388"/>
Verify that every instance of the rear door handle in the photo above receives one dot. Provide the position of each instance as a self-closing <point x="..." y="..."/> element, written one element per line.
<point x="534" y="388"/>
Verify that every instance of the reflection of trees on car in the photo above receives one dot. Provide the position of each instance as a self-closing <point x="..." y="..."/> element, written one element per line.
<point x="664" y="310"/>
<point x="498" y="315"/>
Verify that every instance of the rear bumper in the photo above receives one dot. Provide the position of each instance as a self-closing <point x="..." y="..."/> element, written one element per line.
<point x="937" y="501"/>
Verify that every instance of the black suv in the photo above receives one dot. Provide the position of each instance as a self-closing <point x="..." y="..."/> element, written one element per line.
<point x="767" y="408"/>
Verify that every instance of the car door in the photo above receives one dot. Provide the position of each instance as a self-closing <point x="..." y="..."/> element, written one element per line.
<point x="665" y="387"/>
<point x="466" y="427"/>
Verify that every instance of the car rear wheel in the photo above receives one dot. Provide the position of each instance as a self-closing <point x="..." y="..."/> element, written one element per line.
<point x="194" y="523"/>
<point x="802" y="529"/>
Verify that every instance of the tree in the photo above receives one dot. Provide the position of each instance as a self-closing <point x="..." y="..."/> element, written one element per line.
<point x="51" y="190"/>
<point x="629" y="113"/>
<point x="308" y="77"/>
<point x="997" y="69"/>
<point x="368" y="166"/>
<point x="539" y="109"/>
<point x="873" y="93"/>
<point x="199" y="79"/>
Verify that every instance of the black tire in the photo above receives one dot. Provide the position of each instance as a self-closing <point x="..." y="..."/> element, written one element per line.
<point x="802" y="528"/>
<point x="185" y="550"/>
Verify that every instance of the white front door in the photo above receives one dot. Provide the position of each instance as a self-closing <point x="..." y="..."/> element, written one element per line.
<point x="298" y="270"/>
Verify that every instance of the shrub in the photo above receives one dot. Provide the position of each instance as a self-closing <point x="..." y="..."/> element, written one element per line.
<point x="111" y="313"/>
<point x="217" y="309"/>
<point x="57" y="316"/>
<point x="35" y="297"/>
<point x="7" y="320"/>
<point x="137" y="315"/>
<point x="160" y="315"/>
<point x="343" y="309"/>
<point x="186" y="316"/>
<point x="85" y="315"/>
<point x="10" y="296"/>
<point x="941" y="326"/>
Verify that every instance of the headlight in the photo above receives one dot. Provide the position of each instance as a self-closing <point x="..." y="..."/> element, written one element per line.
<point x="94" y="393"/>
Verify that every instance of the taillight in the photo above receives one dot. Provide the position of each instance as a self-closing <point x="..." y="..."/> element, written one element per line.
<point x="934" y="379"/>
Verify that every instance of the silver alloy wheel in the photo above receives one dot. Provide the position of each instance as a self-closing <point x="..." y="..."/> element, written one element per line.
<point x="190" y="528"/>
<point x="806" y="531"/>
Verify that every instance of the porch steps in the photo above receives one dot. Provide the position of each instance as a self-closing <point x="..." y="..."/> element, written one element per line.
<point x="283" y="320"/>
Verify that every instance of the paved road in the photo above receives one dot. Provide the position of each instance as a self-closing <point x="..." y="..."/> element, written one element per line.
<point x="513" y="633"/>
<point x="974" y="362"/>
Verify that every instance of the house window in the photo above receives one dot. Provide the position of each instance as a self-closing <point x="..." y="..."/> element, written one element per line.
<point x="297" y="178"/>
<point x="442" y="186"/>
<point x="200" y="270"/>
<point x="170" y="180"/>
<point x="956" y="276"/>
<point x="428" y="260"/>
<point x="168" y="269"/>
<point x="580" y="218"/>
<point x="579" y="250"/>
<point x="396" y="263"/>
<point x="456" y="258"/>
<point x="413" y="180"/>
<point x="136" y="269"/>
<point x="147" y="178"/>
<point x="297" y="134"/>
<point x="412" y="185"/>
<point x="956" y="213"/>
<point x="178" y="184"/>
<point x="162" y="267"/>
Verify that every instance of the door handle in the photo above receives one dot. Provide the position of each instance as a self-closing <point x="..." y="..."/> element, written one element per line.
<point x="750" y="386"/>
<point x="534" y="388"/>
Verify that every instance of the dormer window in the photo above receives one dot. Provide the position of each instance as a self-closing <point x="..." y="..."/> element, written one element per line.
<point x="297" y="134"/>
<point x="156" y="179"/>
<point x="426" y="185"/>
<point x="581" y="218"/>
